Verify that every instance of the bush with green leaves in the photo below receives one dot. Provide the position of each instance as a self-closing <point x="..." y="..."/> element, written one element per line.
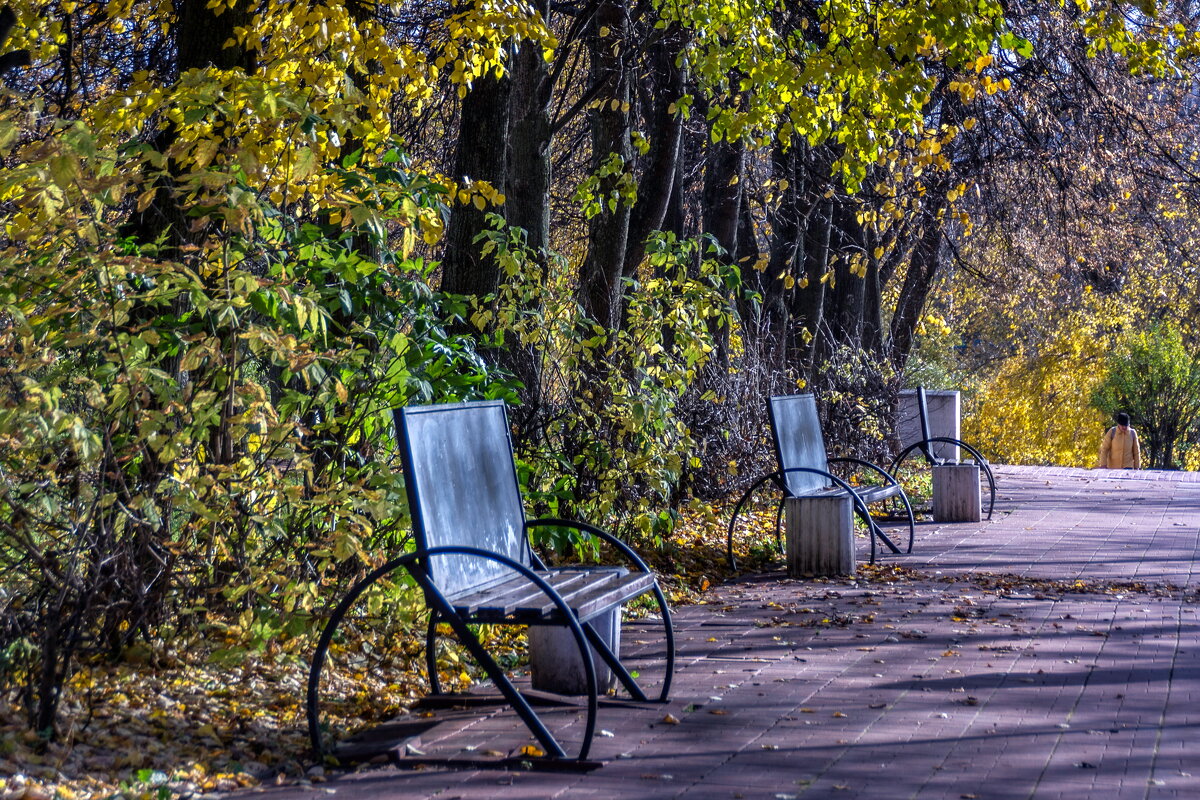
<point x="1154" y="376"/>
<point x="199" y="430"/>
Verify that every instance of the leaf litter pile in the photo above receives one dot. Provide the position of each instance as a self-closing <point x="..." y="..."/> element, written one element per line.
<point x="179" y="720"/>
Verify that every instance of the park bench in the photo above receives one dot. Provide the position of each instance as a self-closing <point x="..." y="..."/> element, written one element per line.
<point x="804" y="470"/>
<point x="934" y="460"/>
<point x="474" y="563"/>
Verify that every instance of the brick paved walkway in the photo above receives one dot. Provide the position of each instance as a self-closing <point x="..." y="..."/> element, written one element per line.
<point x="962" y="681"/>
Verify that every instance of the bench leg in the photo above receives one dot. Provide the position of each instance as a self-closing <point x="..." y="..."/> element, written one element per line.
<point x="956" y="493"/>
<point x="555" y="663"/>
<point x="820" y="536"/>
<point x="496" y="673"/>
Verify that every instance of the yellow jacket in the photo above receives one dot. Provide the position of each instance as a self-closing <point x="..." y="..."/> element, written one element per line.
<point x="1119" y="449"/>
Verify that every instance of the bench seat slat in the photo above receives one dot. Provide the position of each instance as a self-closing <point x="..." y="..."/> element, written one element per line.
<point x="515" y="592"/>
<point x="587" y="592"/>
<point x="873" y="494"/>
<point x="596" y="599"/>
<point x="869" y="494"/>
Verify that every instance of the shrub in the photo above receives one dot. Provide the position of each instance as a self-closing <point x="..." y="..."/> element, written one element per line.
<point x="1154" y="376"/>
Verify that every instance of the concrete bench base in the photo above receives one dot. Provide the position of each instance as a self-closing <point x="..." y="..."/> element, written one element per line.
<point x="554" y="661"/>
<point x="956" y="495"/>
<point x="820" y="535"/>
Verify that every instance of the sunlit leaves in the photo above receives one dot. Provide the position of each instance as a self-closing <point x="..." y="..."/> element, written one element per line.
<point x="857" y="75"/>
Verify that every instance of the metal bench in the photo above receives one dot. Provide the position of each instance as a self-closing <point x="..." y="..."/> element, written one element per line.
<point x="804" y="470"/>
<point x="934" y="460"/>
<point x="475" y="566"/>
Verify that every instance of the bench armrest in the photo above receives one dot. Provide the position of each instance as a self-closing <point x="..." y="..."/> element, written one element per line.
<point x="891" y="479"/>
<point x="923" y="446"/>
<point x="591" y="530"/>
<point x="859" y="505"/>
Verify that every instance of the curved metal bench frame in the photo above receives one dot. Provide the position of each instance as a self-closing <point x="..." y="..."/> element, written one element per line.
<point x="668" y="626"/>
<point x="860" y="507"/>
<point x="602" y="649"/>
<point x="442" y="610"/>
<point x="933" y="461"/>
<point x="891" y="481"/>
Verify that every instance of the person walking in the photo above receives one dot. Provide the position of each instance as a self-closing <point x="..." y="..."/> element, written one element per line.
<point x="1119" y="448"/>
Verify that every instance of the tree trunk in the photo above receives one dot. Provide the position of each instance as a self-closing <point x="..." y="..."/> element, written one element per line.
<point x="481" y="155"/>
<point x="723" y="173"/>
<point x="202" y="33"/>
<point x="816" y="215"/>
<point x="527" y="183"/>
<point x="783" y="244"/>
<point x="844" y="300"/>
<point x="657" y="181"/>
<point x="922" y="268"/>
<point x="527" y="189"/>
<point x="608" y="231"/>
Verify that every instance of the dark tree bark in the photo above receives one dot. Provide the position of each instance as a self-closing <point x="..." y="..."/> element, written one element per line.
<point x="724" y="170"/>
<point x="746" y="257"/>
<point x="808" y="300"/>
<point x="845" y="299"/>
<point x="481" y="155"/>
<point x="16" y="58"/>
<point x="657" y="182"/>
<point x="783" y="245"/>
<point x="608" y="231"/>
<point x="527" y="188"/>
<point x="922" y="268"/>
<point x="675" y="219"/>
<point x="527" y="184"/>
<point x="202" y="34"/>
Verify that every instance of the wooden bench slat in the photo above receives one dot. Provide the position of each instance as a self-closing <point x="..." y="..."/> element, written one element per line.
<point x="869" y="494"/>
<point x="586" y="592"/>
<point x="516" y="592"/>
<point x="492" y="591"/>
<point x="874" y="494"/>
<point x="598" y="597"/>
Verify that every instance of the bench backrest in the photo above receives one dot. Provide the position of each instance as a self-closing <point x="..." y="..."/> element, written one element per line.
<point x="463" y="490"/>
<point x="798" y="441"/>
<point x="923" y="409"/>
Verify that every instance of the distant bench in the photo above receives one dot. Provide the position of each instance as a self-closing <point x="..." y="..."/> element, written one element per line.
<point x="804" y="471"/>
<point x="934" y="460"/>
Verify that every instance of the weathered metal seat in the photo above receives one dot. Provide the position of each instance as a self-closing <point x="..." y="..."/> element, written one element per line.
<point x="474" y="563"/>
<point x="804" y="471"/>
<point x="933" y="459"/>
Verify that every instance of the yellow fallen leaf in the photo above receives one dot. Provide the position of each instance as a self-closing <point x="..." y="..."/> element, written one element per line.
<point x="839" y="714"/>
<point x="533" y="751"/>
<point x="671" y="719"/>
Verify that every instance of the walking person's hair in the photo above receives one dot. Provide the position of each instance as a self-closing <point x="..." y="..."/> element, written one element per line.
<point x="1122" y="418"/>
